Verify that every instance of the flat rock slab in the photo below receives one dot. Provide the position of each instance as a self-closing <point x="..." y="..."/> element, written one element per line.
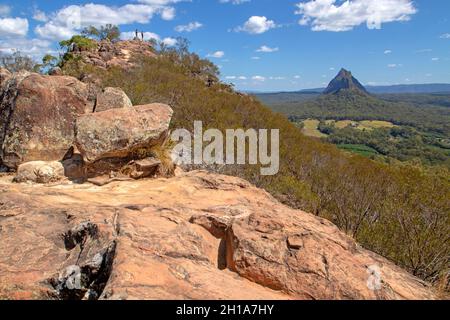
<point x="117" y="133"/>
<point x="195" y="236"/>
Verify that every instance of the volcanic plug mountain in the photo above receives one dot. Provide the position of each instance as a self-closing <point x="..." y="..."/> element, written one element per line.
<point x="344" y="81"/>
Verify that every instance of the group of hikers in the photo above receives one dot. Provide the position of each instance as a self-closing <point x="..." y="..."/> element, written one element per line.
<point x="141" y="33"/>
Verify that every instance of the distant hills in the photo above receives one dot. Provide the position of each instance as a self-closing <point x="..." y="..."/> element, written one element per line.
<point x="346" y="98"/>
<point x="395" y="89"/>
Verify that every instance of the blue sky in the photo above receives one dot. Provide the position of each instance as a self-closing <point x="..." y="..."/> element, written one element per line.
<point x="265" y="45"/>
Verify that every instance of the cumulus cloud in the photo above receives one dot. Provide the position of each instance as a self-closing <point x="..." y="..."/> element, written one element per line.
<point x="435" y="59"/>
<point x="333" y="15"/>
<point x="192" y="26"/>
<point x="34" y="48"/>
<point x="13" y="27"/>
<point x="256" y="25"/>
<point x="445" y="36"/>
<point x="170" y="42"/>
<point x="387" y="51"/>
<point x="259" y="78"/>
<point x="71" y="19"/>
<point x="267" y="49"/>
<point x="217" y="54"/>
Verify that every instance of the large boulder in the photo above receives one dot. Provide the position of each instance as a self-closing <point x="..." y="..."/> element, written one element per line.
<point x="40" y="172"/>
<point x="37" y="116"/>
<point x="112" y="98"/>
<point x="118" y="133"/>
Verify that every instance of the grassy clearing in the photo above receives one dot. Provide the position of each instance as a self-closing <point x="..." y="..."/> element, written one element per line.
<point x="310" y="129"/>
<point x="362" y="125"/>
<point x="370" y="125"/>
<point x="360" y="149"/>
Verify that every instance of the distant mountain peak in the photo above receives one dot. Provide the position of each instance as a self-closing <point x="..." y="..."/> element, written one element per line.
<point x="344" y="81"/>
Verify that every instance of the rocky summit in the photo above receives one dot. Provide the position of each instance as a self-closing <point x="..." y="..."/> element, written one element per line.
<point x="344" y="81"/>
<point x="89" y="210"/>
<point x="194" y="236"/>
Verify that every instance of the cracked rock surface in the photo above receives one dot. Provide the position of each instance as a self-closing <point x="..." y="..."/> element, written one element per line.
<point x="195" y="236"/>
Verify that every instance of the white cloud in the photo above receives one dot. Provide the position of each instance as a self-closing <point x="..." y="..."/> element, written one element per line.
<point x="217" y="54"/>
<point x="435" y="59"/>
<point x="35" y="48"/>
<point x="256" y="25"/>
<point x="255" y="58"/>
<point x="387" y="51"/>
<point x="242" y="78"/>
<point x="297" y="77"/>
<point x="39" y="15"/>
<point x="445" y="36"/>
<point x="5" y="10"/>
<point x="168" y="13"/>
<point x="267" y="49"/>
<point x="394" y="65"/>
<point x="13" y="27"/>
<point x="230" y="77"/>
<point x="170" y="42"/>
<point x="332" y="15"/>
<point x="192" y="26"/>
<point x="71" y="19"/>
<point x="259" y="78"/>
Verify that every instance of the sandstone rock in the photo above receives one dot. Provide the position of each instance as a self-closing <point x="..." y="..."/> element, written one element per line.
<point x="144" y="168"/>
<point x="117" y="133"/>
<point x="40" y="172"/>
<point x="112" y="98"/>
<point x="37" y="116"/>
<point x="120" y="54"/>
<point x="195" y="236"/>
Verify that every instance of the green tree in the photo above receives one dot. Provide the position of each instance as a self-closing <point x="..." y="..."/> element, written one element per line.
<point x="107" y="32"/>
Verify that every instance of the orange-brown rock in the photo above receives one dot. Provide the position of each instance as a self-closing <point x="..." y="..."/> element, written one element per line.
<point x="195" y="236"/>
<point x="116" y="133"/>
<point x="37" y="116"/>
<point x="112" y="98"/>
<point x="116" y="54"/>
